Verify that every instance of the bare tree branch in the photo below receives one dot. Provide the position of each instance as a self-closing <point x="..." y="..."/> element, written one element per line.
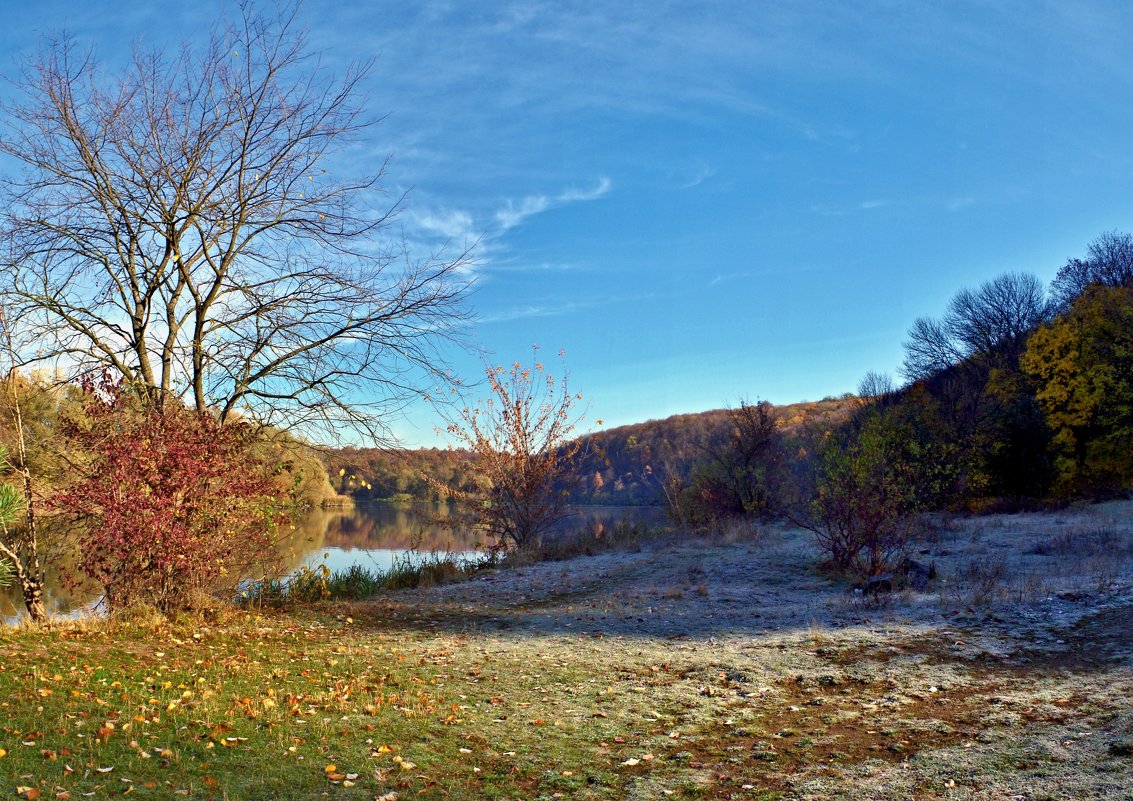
<point x="182" y="223"/>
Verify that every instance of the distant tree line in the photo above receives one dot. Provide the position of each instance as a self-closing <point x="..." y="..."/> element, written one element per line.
<point x="632" y="465"/>
<point x="391" y="474"/>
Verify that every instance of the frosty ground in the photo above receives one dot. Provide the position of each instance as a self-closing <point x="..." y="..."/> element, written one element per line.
<point x="1008" y="677"/>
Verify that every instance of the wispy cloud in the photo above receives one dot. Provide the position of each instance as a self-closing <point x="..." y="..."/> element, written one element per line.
<point x="558" y="308"/>
<point x="839" y="209"/>
<point x="506" y="264"/>
<point x="430" y="227"/>
<point x="721" y="278"/>
<point x="703" y="172"/>
<point x="515" y="213"/>
<point x="452" y="225"/>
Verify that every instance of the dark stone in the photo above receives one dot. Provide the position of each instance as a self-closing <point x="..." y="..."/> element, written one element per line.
<point x="1122" y="748"/>
<point x="917" y="574"/>
<point x="879" y="583"/>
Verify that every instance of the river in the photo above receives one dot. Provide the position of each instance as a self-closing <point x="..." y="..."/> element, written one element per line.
<point x="371" y="535"/>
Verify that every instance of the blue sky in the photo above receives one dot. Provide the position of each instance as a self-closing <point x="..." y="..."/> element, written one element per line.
<point x="708" y="201"/>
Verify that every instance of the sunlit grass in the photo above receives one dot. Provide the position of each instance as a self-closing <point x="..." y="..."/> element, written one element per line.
<point x="267" y="706"/>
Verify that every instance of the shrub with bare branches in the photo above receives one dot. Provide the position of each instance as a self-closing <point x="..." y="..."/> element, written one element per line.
<point x="520" y="439"/>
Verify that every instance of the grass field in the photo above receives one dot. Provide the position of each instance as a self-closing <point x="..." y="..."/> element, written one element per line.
<point x="720" y="668"/>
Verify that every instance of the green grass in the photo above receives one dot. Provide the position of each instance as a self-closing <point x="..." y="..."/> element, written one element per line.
<point x="275" y="707"/>
<point x="362" y="700"/>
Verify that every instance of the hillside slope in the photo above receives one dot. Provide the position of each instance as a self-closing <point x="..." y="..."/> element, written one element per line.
<point x="626" y="465"/>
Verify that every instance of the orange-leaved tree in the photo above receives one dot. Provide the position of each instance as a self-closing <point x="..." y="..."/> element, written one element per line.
<point x="520" y="437"/>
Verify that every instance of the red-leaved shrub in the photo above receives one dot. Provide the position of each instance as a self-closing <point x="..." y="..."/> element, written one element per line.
<point x="173" y="508"/>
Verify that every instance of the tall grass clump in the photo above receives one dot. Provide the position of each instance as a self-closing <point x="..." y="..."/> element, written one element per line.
<point x="430" y="570"/>
<point x="357" y="582"/>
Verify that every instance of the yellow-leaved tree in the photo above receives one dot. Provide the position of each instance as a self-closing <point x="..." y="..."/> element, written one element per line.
<point x="1083" y="361"/>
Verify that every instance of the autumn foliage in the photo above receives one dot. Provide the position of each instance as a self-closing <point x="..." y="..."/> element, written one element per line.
<point x="1083" y="363"/>
<point x="172" y="507"/>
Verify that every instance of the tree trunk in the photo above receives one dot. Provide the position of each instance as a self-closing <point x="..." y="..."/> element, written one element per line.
<point x="32" y="588"/>
<point x="31" y="585"/>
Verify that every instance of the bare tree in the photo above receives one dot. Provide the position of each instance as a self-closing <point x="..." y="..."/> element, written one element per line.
<point x="1108" y="262"/>
<point x="929" y="349"/>
<point x="989" y="324"/>
<point x="876" y="386"/>
<point x="183" y="223"/>
<point x="521" y="445"/>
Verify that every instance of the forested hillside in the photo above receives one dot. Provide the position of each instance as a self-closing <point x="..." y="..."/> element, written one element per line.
<point x="627" y="465"/>
<point x="634" y="464"/>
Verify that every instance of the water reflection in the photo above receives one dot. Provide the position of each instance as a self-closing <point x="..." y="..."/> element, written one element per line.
<point x="371" y="535"/>
<point x="374" y="535"/>
<point x="65" y="595"/>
